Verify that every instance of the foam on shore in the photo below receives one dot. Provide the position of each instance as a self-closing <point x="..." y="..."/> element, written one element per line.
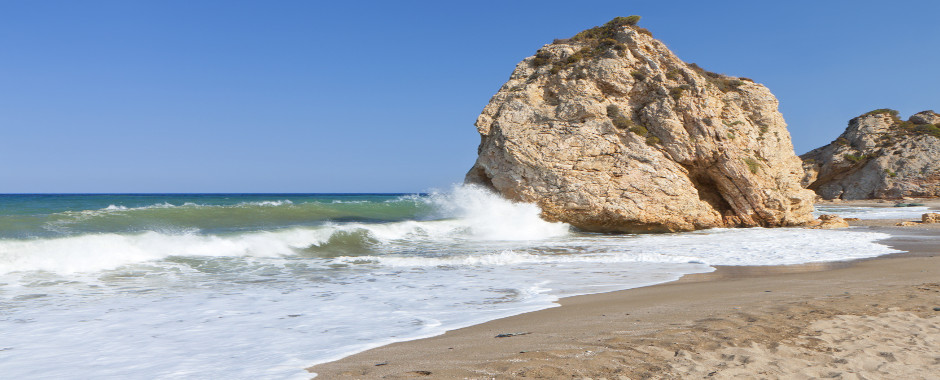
<point x="184" y="303"/>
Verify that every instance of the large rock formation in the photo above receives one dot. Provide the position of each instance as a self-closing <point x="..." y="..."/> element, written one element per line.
<point x="879" y="156"/>
<point x="610" y="131"/>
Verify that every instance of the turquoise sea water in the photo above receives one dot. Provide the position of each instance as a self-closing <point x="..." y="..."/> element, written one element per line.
<point x="51" y="215"/>
<point x="264" y="285"/>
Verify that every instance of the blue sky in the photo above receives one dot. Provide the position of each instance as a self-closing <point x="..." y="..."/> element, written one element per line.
<point x="315" y="96"/>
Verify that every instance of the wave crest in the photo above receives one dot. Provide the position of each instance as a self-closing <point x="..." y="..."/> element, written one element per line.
<point x="492" y="217"/>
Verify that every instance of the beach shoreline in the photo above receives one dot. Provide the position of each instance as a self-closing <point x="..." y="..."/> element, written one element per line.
<point x="775" y="317"/>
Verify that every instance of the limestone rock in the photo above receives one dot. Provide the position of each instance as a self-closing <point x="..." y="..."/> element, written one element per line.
<point x="925" y="117"/>
<point x="878" y="156"/>
<point x="610" y="131"/>
<point x="930" y="217"/>
<point x="827" y="221"/>
<point x="907" y="224"/>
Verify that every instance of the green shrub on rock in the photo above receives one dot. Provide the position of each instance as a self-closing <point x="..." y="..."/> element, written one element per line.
<point x="622" y="21"/>
<point x="617" y="118"/>
<point x="542" y="58"/>
<point x="676" y="93"/>
<point x="882" y="111"/>
<point x="928" y="129"/>
<point x="723" y="82"/>
<point x="854" y="158"/>
<point x="752" y="165"/>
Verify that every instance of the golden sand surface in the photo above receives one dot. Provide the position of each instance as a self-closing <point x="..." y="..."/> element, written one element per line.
<point x="868" y="319"/>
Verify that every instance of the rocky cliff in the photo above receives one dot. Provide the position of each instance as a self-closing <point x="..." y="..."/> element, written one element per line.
<point x="610" y="131"/>
<point x="879" y="156"/>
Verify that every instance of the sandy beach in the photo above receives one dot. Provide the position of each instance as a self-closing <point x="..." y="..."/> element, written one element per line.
<point x="865" y="319"/>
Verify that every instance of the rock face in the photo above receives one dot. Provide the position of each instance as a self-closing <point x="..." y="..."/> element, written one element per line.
<point x="827" y="221"/>
<point x="879" y="156"/>
<point x="930" y="218"/>
<point x="610" y="131"/>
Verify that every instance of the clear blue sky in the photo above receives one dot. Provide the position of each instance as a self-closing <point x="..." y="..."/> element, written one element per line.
<point x="330" y="96"/>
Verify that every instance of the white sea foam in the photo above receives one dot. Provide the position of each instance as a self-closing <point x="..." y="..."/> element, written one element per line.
<point x="84" y="214"/>
<point x="873" y="212"/>
<point x="755" y="246"/>
<point x="283" y="202"/>
<point x="268" y="317"/>
<point x="105" y="251"/>
<point x="96" y="252"/>
<point x="337" y="202"/>
<point x="473" y="214"/>
<point x="492" y="217"/>
<point x="761" y="246"/>
<point x="166" y="205"/>
<point x="257" y="305"/>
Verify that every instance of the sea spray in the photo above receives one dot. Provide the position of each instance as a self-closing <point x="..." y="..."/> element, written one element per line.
<point x="491" y="217"/>
<point x="96" y="252"/>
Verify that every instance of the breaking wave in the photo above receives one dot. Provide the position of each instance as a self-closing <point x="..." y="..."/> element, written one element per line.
<point x="465" y="214"/>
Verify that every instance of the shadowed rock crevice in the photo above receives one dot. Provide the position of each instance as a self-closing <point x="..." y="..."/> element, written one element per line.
<point x="611" y="132"/>
<point x="708" y="191"/>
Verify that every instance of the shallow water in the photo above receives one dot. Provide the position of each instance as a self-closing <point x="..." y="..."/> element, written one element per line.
<point x="263" y="286"/>
<point x="886" y="212"/>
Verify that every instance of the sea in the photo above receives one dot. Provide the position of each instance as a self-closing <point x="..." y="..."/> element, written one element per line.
<point x="262" y="286"/>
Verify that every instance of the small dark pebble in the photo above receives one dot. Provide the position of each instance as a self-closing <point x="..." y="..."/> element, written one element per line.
<point x="507" y="335"/>
<point x="936" y="309"/>
<point x="423" y="373"/>
<point x="767" y="291"/>
<point x="381" y="364"/>
<point x="294" y="315"/>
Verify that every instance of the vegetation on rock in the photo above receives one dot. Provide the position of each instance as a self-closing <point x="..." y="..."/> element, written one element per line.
<point x="599" y="40"/>
<point x="902" y="128"/>
<point x="723" y="82"/>
<point x="620" y="121"/>
<point x="608" y="30"/>
<point x="752" y="164"/>
<point x="613" y="100"/>
<point x="920" y="129"/>
<point x="878" y="156"/>
<point x="855" y="158"/>
<point x="882" y="111"/>
<point x="593" y="42"/>
<point x="676" y="93"/>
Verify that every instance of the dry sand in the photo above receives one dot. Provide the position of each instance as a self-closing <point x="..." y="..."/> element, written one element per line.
<point x="869" y="319"/>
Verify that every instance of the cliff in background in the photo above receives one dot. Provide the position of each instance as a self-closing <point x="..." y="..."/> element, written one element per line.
<point x="879" y="156"/>
<point x="610" y="131"/>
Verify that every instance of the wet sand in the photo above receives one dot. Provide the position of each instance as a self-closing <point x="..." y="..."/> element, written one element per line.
<point x="872" y="318"/>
